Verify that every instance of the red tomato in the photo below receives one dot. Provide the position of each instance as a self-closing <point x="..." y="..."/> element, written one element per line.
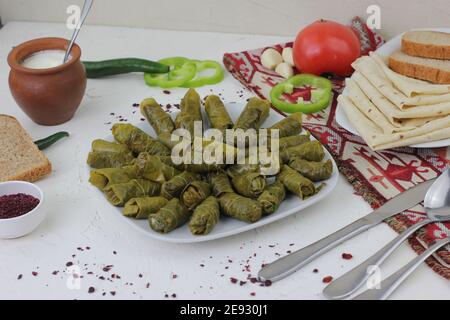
<point x="326" y="46"/>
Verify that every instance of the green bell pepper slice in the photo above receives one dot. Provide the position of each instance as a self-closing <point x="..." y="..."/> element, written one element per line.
<point x="198" y="80"/>
<point x="181" y="71"/>
<point x="280" y="95"/>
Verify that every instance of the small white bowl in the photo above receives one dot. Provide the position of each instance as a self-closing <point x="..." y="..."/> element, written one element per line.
<point x="20" y="226"/>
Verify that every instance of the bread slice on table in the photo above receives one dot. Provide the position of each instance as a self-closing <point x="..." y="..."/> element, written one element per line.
<point x="427" y="44"/>
<point x="20" y="158"/>
<point x="433" y="70"/>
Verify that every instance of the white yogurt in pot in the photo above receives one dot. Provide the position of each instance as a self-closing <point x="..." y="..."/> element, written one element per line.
<point x="44" y="59"/>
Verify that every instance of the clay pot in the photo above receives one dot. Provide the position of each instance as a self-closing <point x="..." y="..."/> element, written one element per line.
<point x="48" y="96"/>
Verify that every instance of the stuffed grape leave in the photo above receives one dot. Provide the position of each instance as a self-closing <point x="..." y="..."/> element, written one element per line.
<point x="205" y="217"/>
<point x="296" y="183"/>
<point x="169" y="217"/>
<point x="160" y="120"/>
<point x="314" y="171"/>
<point x="137" y="140"/>
<point x="220" y="183"/>
<point x="118" y="194"/>
<point x="217" y="114"/>
<point x="311" y="151"/>
<point x="105" y="154"/>
<point x="190" y="111"/>
<point x="102" y="178"/>
<point x="289" y="126"/>
<point x="152" y="168"/>
<point x="249" y="185"/>
<point x="173" y="188"/>
<point x="141" y="208"/>
<point x="272" y="197"/>
<point x="254" y="114"/>
<point x="239" y="207"/>
<point x="292" y="141"/>
<point x="194" y="193"/>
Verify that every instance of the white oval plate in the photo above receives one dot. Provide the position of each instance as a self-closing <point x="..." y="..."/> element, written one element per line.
<point x="385" y="50"/>
<point x="228" y="226"/>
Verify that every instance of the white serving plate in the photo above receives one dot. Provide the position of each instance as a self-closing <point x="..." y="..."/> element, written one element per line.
<point x="385" y="50"/>
<point x="228" y="226"/>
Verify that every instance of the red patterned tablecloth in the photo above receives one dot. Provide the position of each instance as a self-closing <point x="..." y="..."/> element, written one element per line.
<point x="376" y="176"/>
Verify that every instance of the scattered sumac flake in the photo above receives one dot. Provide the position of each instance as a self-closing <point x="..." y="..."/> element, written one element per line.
<point x="202" y="265"/>
<point x="230" y="261"/>
<point x="174" y="295"/>
<point x="241" y="283"/>
<point x="107" y="268"/>
<point x="253" y="280"/>
<point x="88" y="248"/>
<point x="113" y="293"/>
<point x="147" y="285"/>
<point x="101" y="278"/>
<point x="316" y="270"/>
<point x="233" y="280"/>
<point x="142" y="119"/>
<point x="135" y="105"/>
<point x="166" y="92"/>
<point x="34" y="273"/>
<point x="69" y="264"/>
<point x="91" y="290"/>
<point x="291" y="244"/>
<point x="347" y="256"/>
<point x="253" y="294"/>
<point x="140" y="275"/>
<point x="327" y="279"/>
<point x="267" y="283"/>
<point x="271" y="246"/>
<point x="114" y="252"/>
<point x="263" y="265"/>
<point x="174" y="276"/>
<point x="55" y="272"/>
<point x="19" y="276"/>
<point x="166" y="295"/>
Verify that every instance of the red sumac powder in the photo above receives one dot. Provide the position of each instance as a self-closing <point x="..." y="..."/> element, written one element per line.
<point x="16" y="205"/>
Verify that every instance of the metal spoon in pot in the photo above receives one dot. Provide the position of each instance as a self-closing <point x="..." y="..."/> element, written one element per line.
<point x="84" y="12"/>
<point x="437" y="206"/>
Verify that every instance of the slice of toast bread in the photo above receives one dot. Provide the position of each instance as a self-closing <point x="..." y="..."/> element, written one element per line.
<point x="433" y="70"/>
<point x="20" y="158"/>
<point x="427" y="44"/>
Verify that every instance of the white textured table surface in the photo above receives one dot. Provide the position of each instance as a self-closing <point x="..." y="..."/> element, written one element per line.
<point x="77" y="218"/>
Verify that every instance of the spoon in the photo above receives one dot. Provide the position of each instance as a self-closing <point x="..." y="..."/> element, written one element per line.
<point x="388" y="286"/>
<point x="84" y="12"/>
<point x="437" y="207"/>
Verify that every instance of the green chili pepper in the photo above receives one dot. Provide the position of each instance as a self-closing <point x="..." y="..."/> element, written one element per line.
<point x="200" y="81"/>
<point x="282" y="94"/>
<point x="98" y="69"/>
<point x="180" y="72"/>
<point x="47" y="142"/>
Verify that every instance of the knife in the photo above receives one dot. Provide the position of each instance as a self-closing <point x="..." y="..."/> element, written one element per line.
<point x="287" y="265"/>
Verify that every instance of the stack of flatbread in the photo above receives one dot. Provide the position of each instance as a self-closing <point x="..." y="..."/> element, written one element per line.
<point x="391" y="110"/>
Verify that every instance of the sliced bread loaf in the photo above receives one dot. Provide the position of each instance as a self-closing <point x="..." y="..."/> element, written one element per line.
<point x="427" y="44"/>
<point x="433" y="70"/>
<point x="20" y="159"/>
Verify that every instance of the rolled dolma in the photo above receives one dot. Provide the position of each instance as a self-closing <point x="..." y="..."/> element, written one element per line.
<point x="152" y="168"/>
<point x="100" y="145"/>
<point x="169" y="217"/>
<point x="118" y="194"/>
<point x="137" y="140"/>
<point x="272" y="197"/>
<point x="292" y="141"/>
<point x="100" y="160"/>
<point x="254" y="114"/>
<point x="173" y="188"/>
<point x="168" y="161"/>
<point x="311" y="151"/>
<point x="194" y="193"/>
<point x="220" y="183"/>
<point x="141" y="208"/>
<point x="166" y="139"/>
<point x="314" y="171"/>
<point x="190" y="111"/>
<point x="249" y="185"/>
<point x="236" y="170"/>
<point x="217" y="114"/>
<point x="205" y="217"/>
<point x="296" y="183"/>
<point x="102" y="178"/>
<point x="157" y="117"/>
<point x="239" y="207"/>
<point x="289" y="126"/>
